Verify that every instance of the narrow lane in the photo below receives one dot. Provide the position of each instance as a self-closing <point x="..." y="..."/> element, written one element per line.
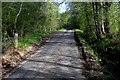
<point x="59" y="58"/>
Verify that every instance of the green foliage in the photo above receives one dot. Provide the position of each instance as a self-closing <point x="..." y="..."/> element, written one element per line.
<point x="96" y="24"/>
<point x="114" y="17"/>
<point x="61" y="30"/>
<point x="89" y="48"/>
<point x="33" y="38"/>
<point x="36" y="20"/>
<point x="99" y="23"/>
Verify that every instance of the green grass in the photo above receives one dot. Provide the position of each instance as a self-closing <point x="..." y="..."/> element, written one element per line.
<point x="79" y="31"/>
<point x="61" y="30"/>
<point x="32" y="38"/>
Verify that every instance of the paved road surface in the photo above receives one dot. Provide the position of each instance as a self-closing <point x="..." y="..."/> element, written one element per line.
<point x="59" y="58"/>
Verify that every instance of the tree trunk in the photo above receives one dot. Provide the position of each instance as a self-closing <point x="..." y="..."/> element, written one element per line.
<point x="16" y="40"/>
<point x="107" y="20"/>
<point x="17" y="18"/>
<point x="102" y="29"/>
<point x="96" y="19"/>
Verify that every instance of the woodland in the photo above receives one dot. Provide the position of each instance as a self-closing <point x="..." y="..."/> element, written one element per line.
<point x="95" y="24"/>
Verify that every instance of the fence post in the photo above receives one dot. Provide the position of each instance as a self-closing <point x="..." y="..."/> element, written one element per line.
<point x="16" y="40"/>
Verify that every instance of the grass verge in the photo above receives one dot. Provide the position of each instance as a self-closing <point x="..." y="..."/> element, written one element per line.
<point x="62" y="30"/>
<point x="93" y="70"/>
<point x="32" y="38"/>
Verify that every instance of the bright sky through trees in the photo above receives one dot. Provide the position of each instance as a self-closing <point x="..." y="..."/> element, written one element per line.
<point x="62" y="7"/>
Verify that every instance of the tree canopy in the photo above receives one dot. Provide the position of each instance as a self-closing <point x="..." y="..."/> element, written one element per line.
<point x="99" y="23"/>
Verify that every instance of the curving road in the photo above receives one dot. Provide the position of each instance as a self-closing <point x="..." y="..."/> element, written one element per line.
<point x="59" y="58"/>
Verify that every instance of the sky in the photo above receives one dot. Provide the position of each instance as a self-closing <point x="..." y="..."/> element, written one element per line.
<point x="62" y="7"/>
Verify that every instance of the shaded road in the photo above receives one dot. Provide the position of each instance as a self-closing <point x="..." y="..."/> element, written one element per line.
<point x="59" y="58"/>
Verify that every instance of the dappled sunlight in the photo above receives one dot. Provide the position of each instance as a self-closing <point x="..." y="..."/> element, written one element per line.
<point x="59" y="58"/>
<point x="61" y="39"/>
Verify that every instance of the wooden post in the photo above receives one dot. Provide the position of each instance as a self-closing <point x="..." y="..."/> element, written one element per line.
<point x="16" y="40"/>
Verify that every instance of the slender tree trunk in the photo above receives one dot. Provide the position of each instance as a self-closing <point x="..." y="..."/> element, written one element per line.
<point x="101" y="21"/>
<point x="16" y="40"/>
<point x="107" y="20"/>
<point x="17" y="17"/>
<point x="16" y="34"/>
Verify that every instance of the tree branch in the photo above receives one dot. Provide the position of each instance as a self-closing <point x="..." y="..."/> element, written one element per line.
<point x="17" y="16"/>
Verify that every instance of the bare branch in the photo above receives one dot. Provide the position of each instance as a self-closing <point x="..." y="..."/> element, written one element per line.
<point x="18" y="15"/>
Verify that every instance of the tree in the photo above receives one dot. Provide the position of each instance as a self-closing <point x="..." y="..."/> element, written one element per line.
<point x="106" y="14"/>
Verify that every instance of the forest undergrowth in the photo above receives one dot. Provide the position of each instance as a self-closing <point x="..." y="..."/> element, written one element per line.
<point x="102" y="57"/>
